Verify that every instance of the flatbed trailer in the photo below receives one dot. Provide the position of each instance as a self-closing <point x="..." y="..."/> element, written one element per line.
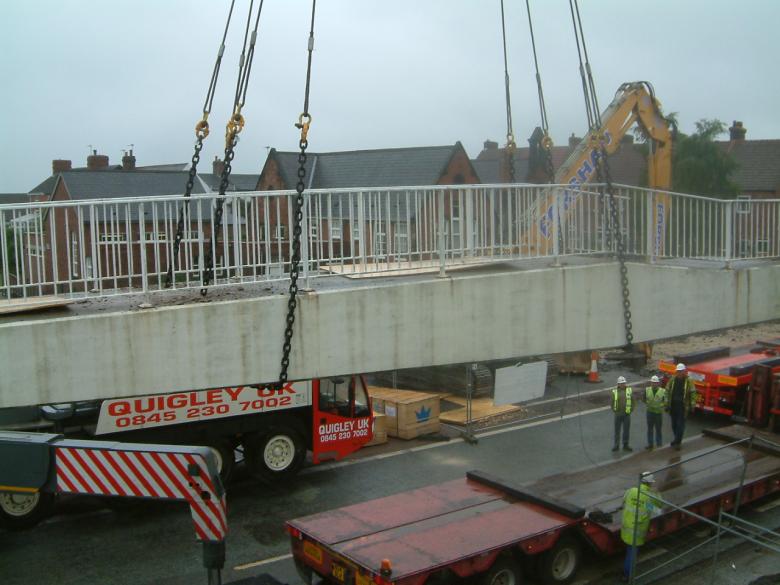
<point x="481" y="525"/>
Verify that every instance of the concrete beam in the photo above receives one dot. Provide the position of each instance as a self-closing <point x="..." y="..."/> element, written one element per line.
<point x="364" y="329"/>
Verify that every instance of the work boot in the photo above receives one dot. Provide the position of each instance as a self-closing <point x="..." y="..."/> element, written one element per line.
<point x="678" y="446"/>
<point x="649" y="448"/>
<point x="615" y="448"/>
<point x="627" y="448"/>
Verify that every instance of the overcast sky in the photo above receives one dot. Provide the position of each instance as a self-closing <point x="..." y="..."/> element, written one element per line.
<point x="385" y="73"/>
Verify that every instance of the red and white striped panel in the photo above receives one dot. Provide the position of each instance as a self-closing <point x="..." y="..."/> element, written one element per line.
<point x="145" y="474"/>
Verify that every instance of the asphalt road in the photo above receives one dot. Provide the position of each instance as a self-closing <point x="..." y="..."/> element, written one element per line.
<point x="153" y="543"/>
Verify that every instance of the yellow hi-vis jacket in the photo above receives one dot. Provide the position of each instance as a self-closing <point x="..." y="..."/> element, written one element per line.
<point x="646" y="503"/>
<point x="655" y="398"/>
<point x="616" y="407"/>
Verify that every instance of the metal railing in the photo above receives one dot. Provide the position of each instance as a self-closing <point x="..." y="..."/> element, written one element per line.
<point x="114" y="246"/>
<point x="726" y="523"/>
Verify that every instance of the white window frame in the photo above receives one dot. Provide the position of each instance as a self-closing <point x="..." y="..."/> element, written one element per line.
<point x="401" y="243"/>
<point x="335" y="232"/>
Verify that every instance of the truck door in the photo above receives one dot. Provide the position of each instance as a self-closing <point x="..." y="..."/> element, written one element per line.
<point x="342" y="417"/>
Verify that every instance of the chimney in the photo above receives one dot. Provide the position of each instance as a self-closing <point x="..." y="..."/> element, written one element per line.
<point x="96" y="161"/>
<point x="574" y="141"/>
<point x="59" y="165"/>
<point x="128" y="161"/>
<point x="737" y="132"/>
<point x="217" y="166"/>
<point x="490" y="145"/>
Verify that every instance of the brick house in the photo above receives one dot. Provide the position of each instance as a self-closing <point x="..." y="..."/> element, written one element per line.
<point x="758" y="177"/>
<point x="627" y="164"/>
<point x="119" y="231"/>
<point x="391" y="226"/>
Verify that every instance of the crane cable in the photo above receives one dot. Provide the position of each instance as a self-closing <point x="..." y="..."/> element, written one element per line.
<point x="602" y="166"/>
<point x="511" y="146"/>
<point x="303" y="124"/>
<point x="546" y="142"/>
<point x="233" y="128"/>
<point x="201" y="132"/>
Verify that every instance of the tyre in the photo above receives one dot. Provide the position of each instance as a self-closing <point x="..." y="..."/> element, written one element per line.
<point x="505" y="571"/>
<point x="561" y="562"/>
<point x="226" y="458"/>
<point x="19" y="511"/>
<point x="275" y="454"/>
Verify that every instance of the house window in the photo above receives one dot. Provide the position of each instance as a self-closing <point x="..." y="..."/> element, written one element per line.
<point x="74" y="254"/>
<point x="314" y="230"/>
<point x="88" y="271"/>
<point x="156" y="237"/>
<point x="380" y="244"/>
<point x="743" y="204"/>
<point x="281" y="232"/>
<point x="402" y="238"/>
<point x="113" y="238"/>
<point x="356" y="234"/>
<point x="335" y="232"/>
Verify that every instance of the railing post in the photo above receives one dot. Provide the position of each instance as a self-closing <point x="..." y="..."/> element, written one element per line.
<point x="728" y="237"/>
<point x="556" y="227"/>
<point x="305" y="241"/>
<point x="142" y="248"/>
<point x="651" y="223"/>
<point x="440" y="227"/>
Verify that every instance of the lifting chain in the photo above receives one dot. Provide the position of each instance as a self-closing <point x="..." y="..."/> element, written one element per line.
<point x="511" y="146"/>
<point x="597" y="142"/>
<point x="201" y="132"/>
<point x="620" y="247"/>
<point x="546" y="142"/>
<point x="303" y="124"/>
<point x="233" y="128"/>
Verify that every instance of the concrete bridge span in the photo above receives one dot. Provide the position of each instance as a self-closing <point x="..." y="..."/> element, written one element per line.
<point x="345" y="326"/>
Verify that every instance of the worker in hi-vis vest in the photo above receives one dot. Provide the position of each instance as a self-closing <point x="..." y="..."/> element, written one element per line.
<point x="655" y="401"/>
<point x="622" y="406"/>
<point x="681" y="399"/>
<point x="637" y="522"/>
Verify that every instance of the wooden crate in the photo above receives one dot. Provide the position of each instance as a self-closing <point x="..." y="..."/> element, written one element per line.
<point x="380" y="430"/>
<point x="408" y="413"/>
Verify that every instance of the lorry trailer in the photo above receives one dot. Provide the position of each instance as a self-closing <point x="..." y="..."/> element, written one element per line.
<point x="724" y="378"/>
<point x="482" y="525"/>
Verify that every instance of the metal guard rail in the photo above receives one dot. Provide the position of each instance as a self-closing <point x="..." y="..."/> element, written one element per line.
<point x="104" y="247"/>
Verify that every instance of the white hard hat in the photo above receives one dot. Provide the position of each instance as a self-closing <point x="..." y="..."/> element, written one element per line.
<point x="648" y="477"/>
<point x="654" y="379"/>
<point x="621" y="380"/>
<point x="680" y="367"/>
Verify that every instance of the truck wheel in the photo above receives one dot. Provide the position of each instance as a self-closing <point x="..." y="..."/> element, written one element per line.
<point x="19" y="511"/>
<point x="505" y="571"/>
<point x="276" y="454"/>
<point x="560" y="563"/>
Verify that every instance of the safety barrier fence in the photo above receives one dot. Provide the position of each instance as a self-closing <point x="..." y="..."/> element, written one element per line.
<point x="103" y="247"/>
<point x="724" y="523"/>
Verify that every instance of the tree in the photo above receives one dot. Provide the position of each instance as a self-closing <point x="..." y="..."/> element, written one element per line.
<point x="699" y="166"/>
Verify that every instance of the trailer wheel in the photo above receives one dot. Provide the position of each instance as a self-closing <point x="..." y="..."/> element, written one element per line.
<point x="560" y="563"/>
<point x="276" y="454"/>
<point x="505" y="571"/>
<point x="226" y="458"/>
<point x="19" y="511"/>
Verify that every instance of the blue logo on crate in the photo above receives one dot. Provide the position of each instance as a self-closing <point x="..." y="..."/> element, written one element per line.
<point x="423" y="414"/>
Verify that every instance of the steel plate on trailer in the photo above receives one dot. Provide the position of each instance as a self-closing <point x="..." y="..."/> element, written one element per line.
<point x="428" y="527"/>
